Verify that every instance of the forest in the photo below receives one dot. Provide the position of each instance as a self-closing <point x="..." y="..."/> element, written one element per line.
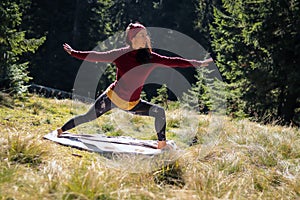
<point x="254" y="43"/>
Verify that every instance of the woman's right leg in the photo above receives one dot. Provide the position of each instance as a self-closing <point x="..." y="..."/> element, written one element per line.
<point x="101" y="106"/>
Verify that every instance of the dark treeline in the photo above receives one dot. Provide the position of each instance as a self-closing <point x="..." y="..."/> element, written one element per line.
<point x="255" y="44"/>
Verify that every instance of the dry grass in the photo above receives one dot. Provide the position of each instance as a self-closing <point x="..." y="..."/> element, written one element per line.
<point x="230" y="160"/>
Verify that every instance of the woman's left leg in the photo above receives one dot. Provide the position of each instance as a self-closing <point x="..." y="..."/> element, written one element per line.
<point x="148" y="109"/>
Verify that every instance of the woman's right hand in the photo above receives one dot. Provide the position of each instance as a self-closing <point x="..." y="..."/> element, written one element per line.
<point x="67" y="48"/>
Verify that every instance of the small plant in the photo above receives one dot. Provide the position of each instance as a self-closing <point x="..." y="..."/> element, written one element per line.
<point x="24" y="150"/>
<point x="36" y="107"/>
<point x="170" y="174"/>
<point x="162" y="97"/>
<point x="173" y="123"/>
<point x="115" y="133"/>
<point x="107" y="127"/>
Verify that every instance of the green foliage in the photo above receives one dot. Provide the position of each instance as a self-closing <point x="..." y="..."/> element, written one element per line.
<point x="108" y="127"/>
<point x="256" y="49"/>
<point x="198" y="97"/>
<point x="204" y="18"/>
<point x="162" y="96"/>
<point x="82" y="24"/>
<point x="255" y="44"/>
<point x="13" y="47"/>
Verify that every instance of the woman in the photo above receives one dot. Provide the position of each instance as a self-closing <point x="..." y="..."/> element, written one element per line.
<point x="134" y="63"/>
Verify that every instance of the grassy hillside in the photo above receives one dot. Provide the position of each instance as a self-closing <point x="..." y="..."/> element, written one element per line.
<point x="231" y="160"/>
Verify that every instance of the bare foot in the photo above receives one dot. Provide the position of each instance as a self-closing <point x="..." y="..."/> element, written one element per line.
<point x="161" y="144"/>
<point x="59" y="132"/>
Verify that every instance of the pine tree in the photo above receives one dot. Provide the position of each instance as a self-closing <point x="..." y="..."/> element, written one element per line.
<point x="14" y="47"/>
<point x="226" y="34"/>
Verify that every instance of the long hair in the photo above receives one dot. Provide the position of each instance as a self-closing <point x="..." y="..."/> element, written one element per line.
<point x="143" y="56"/>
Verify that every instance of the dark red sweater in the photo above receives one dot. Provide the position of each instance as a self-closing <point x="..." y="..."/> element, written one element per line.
<point x="131" y="75"/>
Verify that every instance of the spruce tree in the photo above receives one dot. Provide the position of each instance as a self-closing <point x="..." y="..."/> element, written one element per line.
<point x="198" y="97"/>
<point x="14" y="47"/>
<point x="162" y="96"/>
<point x="257" y="46"/>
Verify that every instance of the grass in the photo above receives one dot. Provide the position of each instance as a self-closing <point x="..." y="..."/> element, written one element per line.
<point x="230" y="160"/>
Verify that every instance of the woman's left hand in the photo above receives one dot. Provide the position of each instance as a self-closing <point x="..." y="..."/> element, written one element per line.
<point x="206" y="62"/>
<point x="203" y="63"/>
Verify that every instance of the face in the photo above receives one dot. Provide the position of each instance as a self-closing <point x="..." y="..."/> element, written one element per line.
<point x="140" y="40"/>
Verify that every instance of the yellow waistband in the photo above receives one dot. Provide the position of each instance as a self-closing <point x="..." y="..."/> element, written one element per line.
<point x="125" y="105"/>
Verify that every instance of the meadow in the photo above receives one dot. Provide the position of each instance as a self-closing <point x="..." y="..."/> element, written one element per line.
<point x="228" y="158"/>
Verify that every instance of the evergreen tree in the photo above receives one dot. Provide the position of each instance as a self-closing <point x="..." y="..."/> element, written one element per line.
<point x="162" y="96"/>
<point x="204" y="18"/>
<point x="281" y="38"/>
<point x="198" y="97"/>
<point x="257" y="47"/>
<point x="14" y="47"/>
<point x="80" y="23"/>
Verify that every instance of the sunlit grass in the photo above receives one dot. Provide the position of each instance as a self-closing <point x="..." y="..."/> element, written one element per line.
<point x="22" y="148"/>
<point x="229" y="160"/>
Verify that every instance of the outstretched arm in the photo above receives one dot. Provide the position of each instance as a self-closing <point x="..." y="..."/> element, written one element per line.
<point x="92" y="56"/>
<point x="179" y="62"/>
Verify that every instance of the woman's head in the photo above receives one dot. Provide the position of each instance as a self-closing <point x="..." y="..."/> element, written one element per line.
<point x="137" y="36"/>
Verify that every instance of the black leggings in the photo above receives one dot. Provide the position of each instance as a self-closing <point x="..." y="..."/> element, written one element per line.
<point x="104" y="104"/>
